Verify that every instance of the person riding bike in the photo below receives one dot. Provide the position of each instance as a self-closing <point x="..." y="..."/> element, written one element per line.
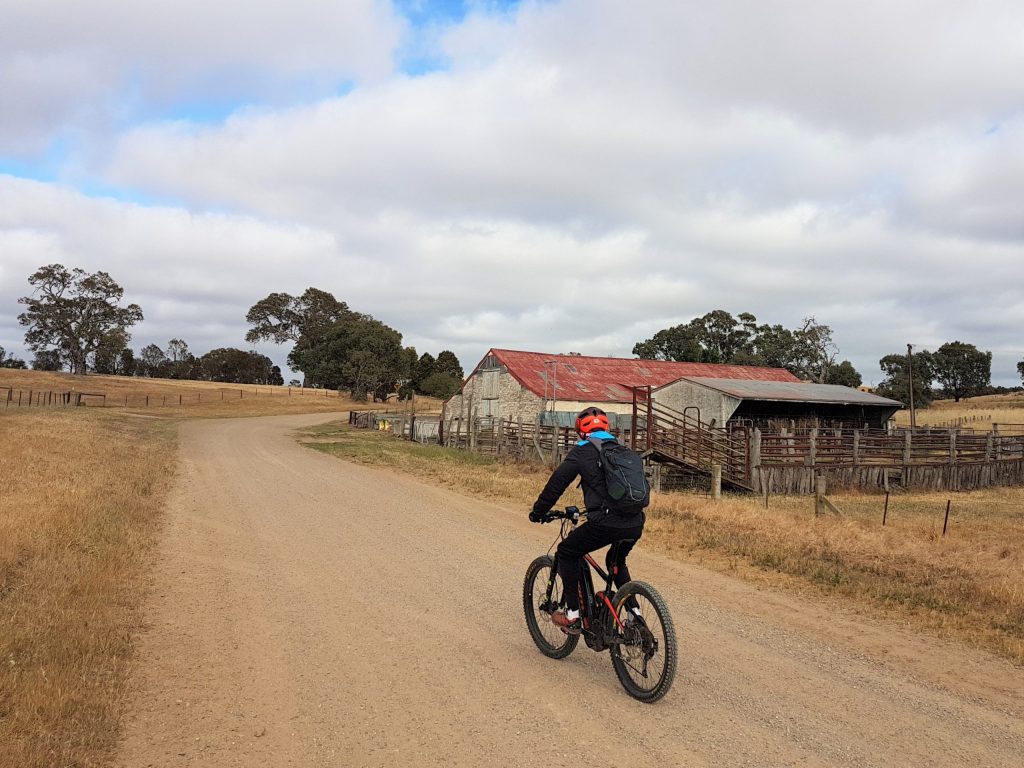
<point x="604" y="526"/>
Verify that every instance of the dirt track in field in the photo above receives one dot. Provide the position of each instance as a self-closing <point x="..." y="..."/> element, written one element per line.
<point x="310" y="612"/>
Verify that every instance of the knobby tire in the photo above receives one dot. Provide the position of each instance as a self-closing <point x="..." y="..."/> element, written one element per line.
<point x="551" y="641"/>
<point x="632" y="658"/>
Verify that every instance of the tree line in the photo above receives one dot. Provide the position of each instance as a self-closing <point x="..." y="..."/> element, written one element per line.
<point x="955" y="370"/>
<point x="337" y="347"/>
<point x="717" y="337"/>
<point x="75" y="320"/>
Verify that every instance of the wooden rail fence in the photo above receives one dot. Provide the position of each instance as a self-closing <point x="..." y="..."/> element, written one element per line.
<point x="749" y="459"/>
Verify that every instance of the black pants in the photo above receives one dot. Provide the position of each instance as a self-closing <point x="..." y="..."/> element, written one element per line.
<point x="587" y="538"/>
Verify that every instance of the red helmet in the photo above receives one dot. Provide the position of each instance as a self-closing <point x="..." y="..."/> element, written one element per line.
<point x="591" y="420"/>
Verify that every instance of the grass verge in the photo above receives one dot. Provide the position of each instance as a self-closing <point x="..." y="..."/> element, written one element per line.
<point x="968" y="584"/>
<point x="80" y="493"/>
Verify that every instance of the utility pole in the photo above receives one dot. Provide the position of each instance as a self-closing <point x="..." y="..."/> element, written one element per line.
<point x="910" y="384"/>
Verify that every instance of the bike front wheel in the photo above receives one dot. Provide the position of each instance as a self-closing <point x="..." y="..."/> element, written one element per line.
<point x="646" y="658"/>
<point x="550" y="639"/>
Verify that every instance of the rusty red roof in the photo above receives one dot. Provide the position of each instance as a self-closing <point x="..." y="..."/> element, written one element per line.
<point x="609" y="379"/>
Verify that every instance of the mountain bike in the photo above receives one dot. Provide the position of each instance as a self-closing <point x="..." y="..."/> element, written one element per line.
<point x="633" y="624"/>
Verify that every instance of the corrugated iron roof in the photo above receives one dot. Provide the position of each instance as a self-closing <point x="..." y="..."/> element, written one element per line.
<point x="792" y="391"/>
<point x="610" y="379"/>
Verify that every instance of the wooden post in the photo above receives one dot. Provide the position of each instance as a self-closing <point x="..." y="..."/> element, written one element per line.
<point x="716" y="482"/>
<point x="813" y="455"/>
<point x="885" y="512"/>
<point x="650" y="417"/>
<point x="856" y="447"/>
<point x="821" y="503"/>
<point x="654" y="471"/>
<point x="440" y="423"/>
<point x="952" y="446"/>
<point x="945" y="522"/>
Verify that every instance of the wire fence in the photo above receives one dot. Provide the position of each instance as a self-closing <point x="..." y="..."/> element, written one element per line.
<point x="44" y="398"/>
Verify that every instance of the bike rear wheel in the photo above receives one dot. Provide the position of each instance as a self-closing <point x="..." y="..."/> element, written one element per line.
<point x="646" y="659"/>
<point x="551" y="640"/>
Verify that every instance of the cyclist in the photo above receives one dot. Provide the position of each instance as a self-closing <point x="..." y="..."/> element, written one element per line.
<point x="603" y="526"/>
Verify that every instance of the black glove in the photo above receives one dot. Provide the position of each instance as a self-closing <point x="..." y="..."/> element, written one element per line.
<point x="536" y="517"/>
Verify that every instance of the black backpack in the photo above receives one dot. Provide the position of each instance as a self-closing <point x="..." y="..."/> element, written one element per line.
<point x="628" y="489"/>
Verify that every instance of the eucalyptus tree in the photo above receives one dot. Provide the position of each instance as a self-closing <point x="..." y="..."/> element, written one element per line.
<point x="73" y="313"/>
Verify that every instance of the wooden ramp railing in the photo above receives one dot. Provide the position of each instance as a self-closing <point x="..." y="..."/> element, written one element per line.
<point x="667" y="435"/>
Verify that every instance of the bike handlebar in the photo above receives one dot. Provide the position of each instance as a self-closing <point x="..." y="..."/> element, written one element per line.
<point x="569" y="513"/>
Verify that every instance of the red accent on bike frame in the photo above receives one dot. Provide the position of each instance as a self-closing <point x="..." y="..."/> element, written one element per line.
<point x="590" y="560"/>
<point x="586" y="621"/>
<point x="612" y="609"/>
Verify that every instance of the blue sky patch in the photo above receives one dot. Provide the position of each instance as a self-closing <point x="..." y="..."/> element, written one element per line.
<point x="419" y="56"/>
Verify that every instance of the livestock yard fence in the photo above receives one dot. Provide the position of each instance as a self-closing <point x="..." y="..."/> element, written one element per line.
<point x="771" y="460"/>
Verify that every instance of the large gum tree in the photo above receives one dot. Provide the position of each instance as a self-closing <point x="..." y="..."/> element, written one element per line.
<point x="74" y="313"/>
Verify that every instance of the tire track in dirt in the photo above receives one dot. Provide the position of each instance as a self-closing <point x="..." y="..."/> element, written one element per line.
<point x="310" y="612"/>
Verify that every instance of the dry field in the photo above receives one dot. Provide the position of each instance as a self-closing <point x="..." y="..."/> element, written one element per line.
<point x="968" y="584"/>
<point x="168" y="397"/>
<point x="973" y="413"/>
<point x="80" y="495"/>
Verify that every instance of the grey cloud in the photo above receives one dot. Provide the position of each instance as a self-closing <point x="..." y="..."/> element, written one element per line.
<point x="70" y="67"/>
<point x="585" y="175"/>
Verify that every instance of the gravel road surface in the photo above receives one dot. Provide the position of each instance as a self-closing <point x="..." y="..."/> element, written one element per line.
<point x="310" y="612"/>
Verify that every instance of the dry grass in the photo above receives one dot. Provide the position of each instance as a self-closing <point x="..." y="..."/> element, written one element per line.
<point x="80" y="493"/>
<point x="194" y="399"/>
<point x="972" y="413"/>
<point x="968" y="584"/>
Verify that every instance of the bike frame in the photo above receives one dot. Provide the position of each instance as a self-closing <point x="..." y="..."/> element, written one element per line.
<point x="589" y="598"/>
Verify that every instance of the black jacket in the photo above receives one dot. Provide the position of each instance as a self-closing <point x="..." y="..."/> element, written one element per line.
<point x="583" y="462"/>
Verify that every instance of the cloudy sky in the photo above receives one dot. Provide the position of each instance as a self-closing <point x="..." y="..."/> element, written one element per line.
<point x="551" y="175"/>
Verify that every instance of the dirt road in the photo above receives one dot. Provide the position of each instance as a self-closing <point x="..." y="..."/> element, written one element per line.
<point x="310" y="612"/>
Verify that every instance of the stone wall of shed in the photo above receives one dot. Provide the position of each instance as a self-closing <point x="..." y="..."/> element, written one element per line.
<point x="514" y="400"/>
<point x="685" y="394"/>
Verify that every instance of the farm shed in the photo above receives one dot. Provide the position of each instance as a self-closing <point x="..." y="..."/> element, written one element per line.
<point x="513" y="384"/>
<point x="763" y="402"/>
